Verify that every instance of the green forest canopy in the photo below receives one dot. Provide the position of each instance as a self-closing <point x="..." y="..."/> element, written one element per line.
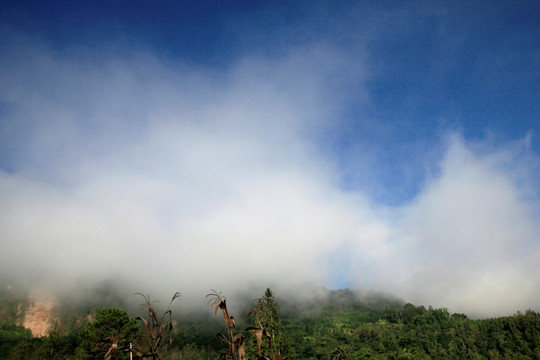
<point x="343" y="326"/>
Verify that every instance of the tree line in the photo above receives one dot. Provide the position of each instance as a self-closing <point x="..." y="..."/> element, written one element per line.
<point x="344" y="327"/>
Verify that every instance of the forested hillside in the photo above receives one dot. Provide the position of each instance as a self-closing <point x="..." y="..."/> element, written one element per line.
<point x="340" y="325"/>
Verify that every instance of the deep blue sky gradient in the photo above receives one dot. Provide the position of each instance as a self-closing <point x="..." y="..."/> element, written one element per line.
<point x="468" y="66"/>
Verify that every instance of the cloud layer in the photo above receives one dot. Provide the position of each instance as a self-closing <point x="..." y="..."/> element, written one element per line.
<point x="172" y="177"/>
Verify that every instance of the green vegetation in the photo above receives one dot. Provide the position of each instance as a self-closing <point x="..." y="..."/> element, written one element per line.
<point x="417" y="333"/>
<point x="270" y="341"/>
<point x="341" y="326"/>
<point x="10" y="336"/>
<point x="13" y="304"/>
<point x="111" y="333"/>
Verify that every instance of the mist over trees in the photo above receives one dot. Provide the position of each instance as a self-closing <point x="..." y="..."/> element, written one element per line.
<point x="340" y="325"/>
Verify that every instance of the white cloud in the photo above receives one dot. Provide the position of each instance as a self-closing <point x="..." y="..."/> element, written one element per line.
<point x="469" y="240"/>
<point x="173" y="178"/>
<point x="134" y="169"/>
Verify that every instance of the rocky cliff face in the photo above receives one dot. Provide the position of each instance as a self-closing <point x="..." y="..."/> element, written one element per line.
<point x="39" y="317"/>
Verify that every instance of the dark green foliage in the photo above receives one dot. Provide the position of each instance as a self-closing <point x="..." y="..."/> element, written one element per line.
<point x="56" y="345"/>
<point x="10" y="336"/>
<point x="416" y="333"/>
<point x="342" y="326"/>
<point x="199" y="330"/>
<point x="112" y="327"/>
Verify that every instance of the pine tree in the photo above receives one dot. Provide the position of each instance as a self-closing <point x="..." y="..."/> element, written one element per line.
<point x="112" y="329"/>
<point x="270" y="342"/>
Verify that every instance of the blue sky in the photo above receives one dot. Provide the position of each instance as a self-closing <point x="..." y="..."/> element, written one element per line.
<point x="388" y="146"/>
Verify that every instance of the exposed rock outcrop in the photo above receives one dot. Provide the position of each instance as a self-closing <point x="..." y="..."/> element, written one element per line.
<point x="39" y="317"/>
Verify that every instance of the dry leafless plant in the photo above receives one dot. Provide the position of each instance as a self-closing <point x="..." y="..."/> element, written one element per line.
<point x="236" y="341"/>
<point x="156" y="328"/>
